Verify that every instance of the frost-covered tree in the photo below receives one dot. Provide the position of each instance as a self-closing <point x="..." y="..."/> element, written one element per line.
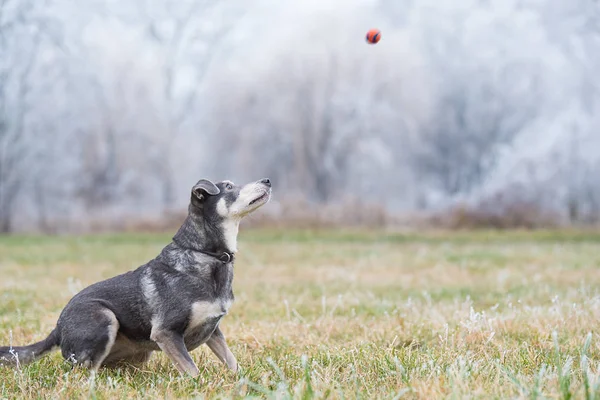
<point x="108" y="109"/>
<point x="28" y="33"/>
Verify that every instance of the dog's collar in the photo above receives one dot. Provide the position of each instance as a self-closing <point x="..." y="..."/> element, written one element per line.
<point x="225" y="256"/>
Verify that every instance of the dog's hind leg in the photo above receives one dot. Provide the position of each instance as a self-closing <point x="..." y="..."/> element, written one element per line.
<point x="218" y="346"/>
<point x="88" y="334"/>
<point x="173" y="345"/>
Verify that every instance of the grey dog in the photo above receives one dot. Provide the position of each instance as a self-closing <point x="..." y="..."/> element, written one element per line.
<point x="174" y="303"/>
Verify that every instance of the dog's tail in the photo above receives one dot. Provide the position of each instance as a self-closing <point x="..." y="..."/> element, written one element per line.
<point x="21" y="355"/>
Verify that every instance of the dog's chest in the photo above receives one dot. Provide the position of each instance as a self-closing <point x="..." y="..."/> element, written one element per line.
<point x="203" y="319"/>
<point x="205" y="313"/>
<point x="202" y="312"/>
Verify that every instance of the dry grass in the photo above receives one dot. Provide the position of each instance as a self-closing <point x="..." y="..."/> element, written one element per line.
<point x="341" y="315"/>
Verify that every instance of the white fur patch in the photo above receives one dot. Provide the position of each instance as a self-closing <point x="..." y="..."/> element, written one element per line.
<point x="113" y="328"/>
<point x="203" y="310"/>
<point x="222" y="209"/>
<point x="231" y="228"/>
<point x="227" y="305"/>
<point x="155" y="326"/>
<point x="149" y="291"/>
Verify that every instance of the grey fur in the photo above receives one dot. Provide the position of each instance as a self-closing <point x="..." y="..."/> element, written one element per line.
<point x="173" y="303"/>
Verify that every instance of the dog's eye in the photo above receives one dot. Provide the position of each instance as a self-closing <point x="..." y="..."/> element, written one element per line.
<point x="228" y="186"/>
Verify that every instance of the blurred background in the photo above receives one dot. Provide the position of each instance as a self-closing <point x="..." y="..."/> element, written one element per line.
<point x="467" y="113"/>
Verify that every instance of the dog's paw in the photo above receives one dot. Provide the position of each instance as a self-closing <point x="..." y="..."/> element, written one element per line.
<point x="234" y="367"/>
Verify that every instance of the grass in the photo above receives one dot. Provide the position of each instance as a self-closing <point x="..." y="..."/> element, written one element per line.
<point x="340" y="315"/>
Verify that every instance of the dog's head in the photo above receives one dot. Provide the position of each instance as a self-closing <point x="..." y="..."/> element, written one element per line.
<point x="215" y="212"/>
<point x="225" y="200"/>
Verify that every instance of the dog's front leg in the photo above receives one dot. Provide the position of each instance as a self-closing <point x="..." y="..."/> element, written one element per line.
<point x="218" y="346"/>
<point x="174" y="347"/>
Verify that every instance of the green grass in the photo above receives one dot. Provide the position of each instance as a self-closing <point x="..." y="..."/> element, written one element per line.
<point x="326" y="314"/>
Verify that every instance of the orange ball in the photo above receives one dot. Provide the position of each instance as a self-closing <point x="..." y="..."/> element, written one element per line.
<point x="373" y="36"/>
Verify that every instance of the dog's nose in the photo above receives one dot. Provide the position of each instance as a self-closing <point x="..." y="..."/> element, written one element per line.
<point x="266" y="181"/>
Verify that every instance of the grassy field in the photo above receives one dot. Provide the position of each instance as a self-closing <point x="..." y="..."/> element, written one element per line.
<point x="340" y="315"/>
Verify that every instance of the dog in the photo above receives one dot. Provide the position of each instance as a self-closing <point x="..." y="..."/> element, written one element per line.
<point x="174" y="303"/>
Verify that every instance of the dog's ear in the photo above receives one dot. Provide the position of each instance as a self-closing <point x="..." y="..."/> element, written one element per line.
<point x="204" y="188"/>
